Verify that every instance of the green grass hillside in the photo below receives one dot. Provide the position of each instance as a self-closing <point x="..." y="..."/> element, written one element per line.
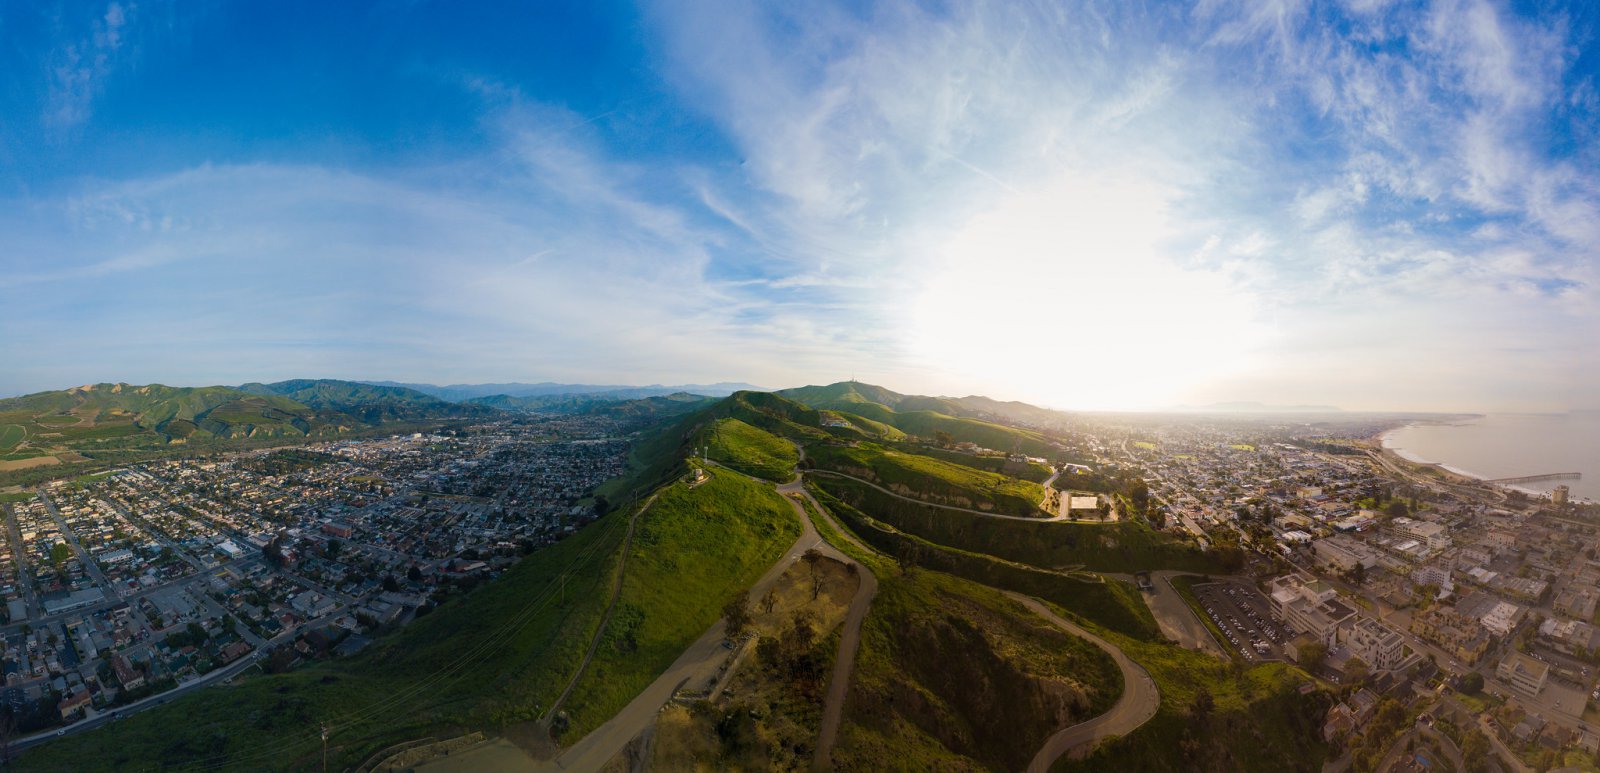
<point x="952" y="675"/>
<point x="929" y="479"/>
<point x="694" y="550"/>
<point x="924" y="417"/>
<point x="367" y="403"/>
<point x="1117" y="547"/>
<point x="1251" y="718"/>
<point x="750" y="450"/>
<point x="657" y="456"/>
<point x="1115" y="605"/>
<point x="1028" y="471"/>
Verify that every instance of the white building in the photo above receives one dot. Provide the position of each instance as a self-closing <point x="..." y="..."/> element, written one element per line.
<point x="1431" y="534"/>
<point x="1311" y="607"/>
<point x="1375" y="643"/>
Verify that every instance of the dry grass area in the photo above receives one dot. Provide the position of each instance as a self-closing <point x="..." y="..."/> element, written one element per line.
<point x="792" y="593"/>
<point x="767" y="718"/>
<point x="23" y="464"/>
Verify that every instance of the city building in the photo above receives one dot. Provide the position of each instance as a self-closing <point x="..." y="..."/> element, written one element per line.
<point x="1431" y="534"/>
<point x="1311" y="607"/>
<point x="1343" y="553"/>
<point x="1523" y="673"/>
<point x="1379" y="646"/>
<point x="1560" y="496"/>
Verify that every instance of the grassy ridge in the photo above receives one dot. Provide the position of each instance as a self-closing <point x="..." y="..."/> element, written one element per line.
<point x="929" y="479"/>
<point x="11" y="435"/>
<point x="468" y="663"/>
<point x="1117" y="547"/>
<point x="953" y="675"/>
<point x="921" y="416"/>
<point x="1028" y="471"/>
<point x="692" y="551"/>
<point x="750" y="450"/>
<point x="1112" y="604"/>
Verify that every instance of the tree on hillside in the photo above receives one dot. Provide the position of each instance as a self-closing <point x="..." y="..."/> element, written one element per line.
<point x="943" y="439"/>
<point x="813" y="559"/>
<point x="736" y="613"/>
<point x="1200" y="708"/>
<point x="1313" y="655"/>
<point x="1475" y="751"/>
<point x="1356" y="670"/>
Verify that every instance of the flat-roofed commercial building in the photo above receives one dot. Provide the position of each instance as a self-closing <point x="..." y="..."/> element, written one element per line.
<point x="1375" y="643"/>
<point x="1524" y="674"/>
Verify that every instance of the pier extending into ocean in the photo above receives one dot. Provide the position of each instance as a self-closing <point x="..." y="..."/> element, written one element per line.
<point x="1539" y="478"/>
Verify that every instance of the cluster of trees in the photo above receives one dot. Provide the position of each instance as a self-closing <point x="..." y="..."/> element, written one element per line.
<point x="1380" y="732"/>
<point x="792" y="655"/>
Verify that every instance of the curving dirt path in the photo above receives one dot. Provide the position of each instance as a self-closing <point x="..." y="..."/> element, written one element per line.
<point x="697" y="664"/>
<point x="1139" y="702"/>
<point x="844" y="663"/>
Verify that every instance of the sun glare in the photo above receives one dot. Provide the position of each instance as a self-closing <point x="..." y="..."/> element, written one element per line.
<point x="1066" y="295"/>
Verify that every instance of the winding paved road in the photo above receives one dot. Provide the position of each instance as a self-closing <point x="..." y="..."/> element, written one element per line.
<point x="1139" y="701"/>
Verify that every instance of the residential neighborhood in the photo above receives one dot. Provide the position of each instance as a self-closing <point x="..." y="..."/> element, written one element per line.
<point x="148" y="578"/>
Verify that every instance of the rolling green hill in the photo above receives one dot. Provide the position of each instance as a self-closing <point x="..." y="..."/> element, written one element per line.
<point x="367" y="403"/>
<point x="924" y="417"/>
<point x="658" y="454"/>
<point x="931" y="480"/>
<point x="749" y="450"/>
<point x="121" y="423"/>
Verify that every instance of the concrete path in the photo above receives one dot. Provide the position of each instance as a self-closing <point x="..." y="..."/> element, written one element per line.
<point x="1139" y="701"/>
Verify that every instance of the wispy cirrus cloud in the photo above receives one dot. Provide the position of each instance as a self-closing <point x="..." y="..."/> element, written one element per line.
<point x="79" y="67"/>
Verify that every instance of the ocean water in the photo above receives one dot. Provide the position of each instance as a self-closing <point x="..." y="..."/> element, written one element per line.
<point x="1511" y="445"/>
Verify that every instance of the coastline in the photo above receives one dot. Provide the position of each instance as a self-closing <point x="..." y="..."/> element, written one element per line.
<point x="1401" y="456"/>
<point x="1457" y="474"/>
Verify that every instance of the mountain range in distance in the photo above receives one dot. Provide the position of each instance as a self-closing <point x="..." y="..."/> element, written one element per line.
<point x="463" y="392"/>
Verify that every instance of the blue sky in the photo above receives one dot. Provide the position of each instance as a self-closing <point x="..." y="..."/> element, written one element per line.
<point x="1087" y="205"/>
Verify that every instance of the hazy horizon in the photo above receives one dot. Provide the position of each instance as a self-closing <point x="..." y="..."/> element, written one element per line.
<point x="1364" y="204"/>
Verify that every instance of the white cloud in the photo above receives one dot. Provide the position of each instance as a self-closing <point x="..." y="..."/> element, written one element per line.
<point x="80" y="68"/>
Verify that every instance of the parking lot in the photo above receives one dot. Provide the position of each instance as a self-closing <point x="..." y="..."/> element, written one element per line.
<point x="1245" y="618"/>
